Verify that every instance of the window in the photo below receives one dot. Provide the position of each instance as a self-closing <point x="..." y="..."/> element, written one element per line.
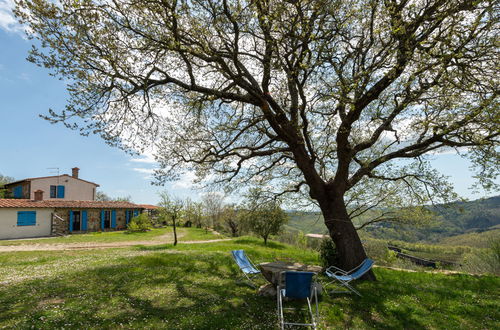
<point x="53" y="190"/>
<point x="26" y="218"/>
<point x="57" y="191"/>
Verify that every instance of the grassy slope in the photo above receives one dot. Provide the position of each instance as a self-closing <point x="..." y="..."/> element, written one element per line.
<point x="193" y="287"/>
<point x="118" y="236"/>
<point x="478" y="240"/>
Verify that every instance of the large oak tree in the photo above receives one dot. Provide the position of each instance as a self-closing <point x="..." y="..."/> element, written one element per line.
<point x="339" y="99"/>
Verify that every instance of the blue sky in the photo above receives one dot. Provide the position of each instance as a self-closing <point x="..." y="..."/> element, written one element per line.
<point x="30" y="145"/>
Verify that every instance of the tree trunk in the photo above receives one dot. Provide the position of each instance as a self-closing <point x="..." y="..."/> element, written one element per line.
<point x="175" y="231"/>
<point x="344" y="235"/>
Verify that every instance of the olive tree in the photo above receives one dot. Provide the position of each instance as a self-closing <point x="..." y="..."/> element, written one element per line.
<point x="263" y="215"/>
<point x="337" y="101"/>
<point x="193" y="212"/>
<point x="213" y="205"/>
<point x="171" y="207"/>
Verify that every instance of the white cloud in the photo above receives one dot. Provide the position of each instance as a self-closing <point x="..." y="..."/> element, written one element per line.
<point x="145" y="158"/>
<point x="185" y="181"/>
<point x="144" y="170"/>
<point x="24" y="76"/>
<point x="7" y="20"/>
<point x="148" y="172"/>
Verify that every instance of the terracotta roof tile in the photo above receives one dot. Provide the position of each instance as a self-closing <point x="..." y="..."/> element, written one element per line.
<point x="29" y="203"/>
<point x="149" y="206"/>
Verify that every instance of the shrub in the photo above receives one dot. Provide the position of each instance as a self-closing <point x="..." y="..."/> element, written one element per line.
<point x="376" y="249"/>
<point x="139" y="223"/>
<point x="484" y="260"/>
<point x="328" y="253"/>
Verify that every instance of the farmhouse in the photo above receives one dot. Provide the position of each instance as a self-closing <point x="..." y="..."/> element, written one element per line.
<point x="59" y="187"/>
<point x="22" y="218"/>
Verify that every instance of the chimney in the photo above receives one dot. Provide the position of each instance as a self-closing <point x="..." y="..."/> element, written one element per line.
<point x="39" y="195"/>
<point x="74" y="172"/>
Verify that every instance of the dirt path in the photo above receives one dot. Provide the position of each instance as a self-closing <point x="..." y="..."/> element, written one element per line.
<point x="163" y="239"/>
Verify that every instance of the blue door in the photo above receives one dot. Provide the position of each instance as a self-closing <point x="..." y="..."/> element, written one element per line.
<point x="102" y="219"/>
<point x="71" y="216"/>
<point x="113" y="219"/>
<point x="84" y="220"/>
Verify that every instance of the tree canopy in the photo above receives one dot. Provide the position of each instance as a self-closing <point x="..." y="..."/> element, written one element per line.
<point x="338" y="100"/>
<point x="263" y="216"/>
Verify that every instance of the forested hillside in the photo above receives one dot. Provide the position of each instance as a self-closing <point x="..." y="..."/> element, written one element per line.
<point x="450" y="220"/>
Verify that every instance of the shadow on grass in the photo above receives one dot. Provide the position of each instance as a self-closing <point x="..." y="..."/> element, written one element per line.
<point x="154" y="247"/>
<point x="199" y="291"/>
<point x="168" y="291"/>
<point x="418" y="301"/>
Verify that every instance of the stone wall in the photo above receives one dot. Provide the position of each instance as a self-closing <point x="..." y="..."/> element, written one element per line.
<point x="61" y="227"/>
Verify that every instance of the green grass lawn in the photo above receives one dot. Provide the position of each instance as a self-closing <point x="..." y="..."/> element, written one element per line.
<point x="192" y="286"/>
<point x="185" y="234"/>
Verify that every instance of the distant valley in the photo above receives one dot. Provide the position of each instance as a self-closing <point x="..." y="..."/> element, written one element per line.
<point x="459" y="223"/>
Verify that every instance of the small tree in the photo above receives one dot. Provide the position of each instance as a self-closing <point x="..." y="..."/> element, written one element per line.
<point x="212" y="204"/>
<point x="3" y="181"/>
<point x="232" y="220"/>
<point x="102" y="197"/>
<point x="193" y="212"/>
<point x="267" y="220"/>
<point x="127" y="198"/>
<point x="171" y="207"/>
<point x="264" y="217"/>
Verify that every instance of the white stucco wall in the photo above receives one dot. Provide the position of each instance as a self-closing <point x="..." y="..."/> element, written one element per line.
<point x="74" y="189"/>
<point x="9" y="228"/>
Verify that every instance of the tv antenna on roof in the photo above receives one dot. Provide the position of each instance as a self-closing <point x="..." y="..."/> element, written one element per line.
<point x="54" y="170"/>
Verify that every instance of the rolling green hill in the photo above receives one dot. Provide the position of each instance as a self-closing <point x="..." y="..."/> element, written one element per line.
<point x="478" y="240"/>
<point x="307" y="222"/>
<point x="460" y="219"/>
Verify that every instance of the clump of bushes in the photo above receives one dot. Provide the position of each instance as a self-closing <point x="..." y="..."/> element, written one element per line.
<point x="328" y="253"/>
<point x="140" y="223"/>
<point x="483" y="261"/>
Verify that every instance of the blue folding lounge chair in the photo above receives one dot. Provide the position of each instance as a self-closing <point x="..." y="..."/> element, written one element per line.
<point x="247" y="267"/>
<point x="343" y="278"/>
<point x="297" y="285"/>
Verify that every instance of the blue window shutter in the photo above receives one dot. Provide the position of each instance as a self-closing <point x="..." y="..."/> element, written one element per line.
<point x="102" y="219"/>
<point x="18" y="192"/>
<point x="127" y="216"/>
<point x="84" y="220"/>
<point x="136" y="213"/>
<point x="26" y="218"/>
<point x="21" y="218"/>
<point x="71" y="221"/>
<point x="60" y="191"/>
<point x="113" y="219"/>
